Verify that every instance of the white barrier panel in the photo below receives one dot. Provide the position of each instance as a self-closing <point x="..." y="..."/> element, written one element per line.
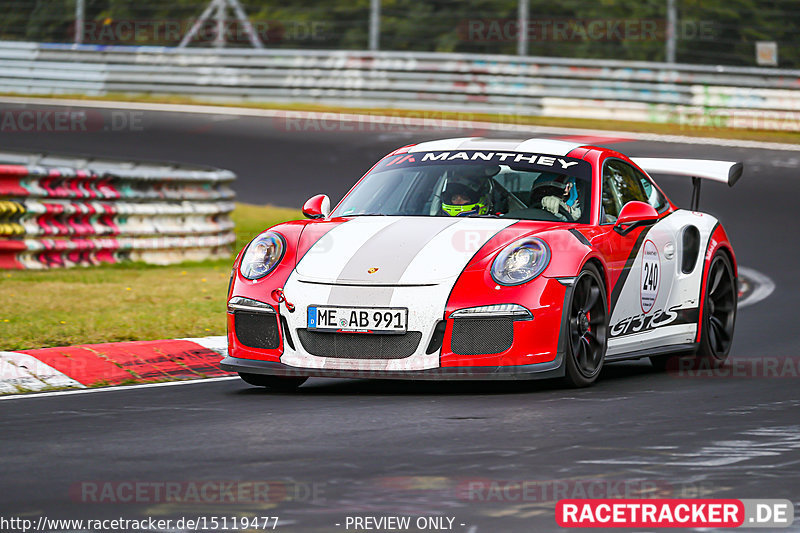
<point x="642" y="91"/>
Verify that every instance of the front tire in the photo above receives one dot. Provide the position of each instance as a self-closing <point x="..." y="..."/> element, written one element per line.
<point x="587" y="327"/>
<point x="719" y="312"/>
<point x="281" y="383"/>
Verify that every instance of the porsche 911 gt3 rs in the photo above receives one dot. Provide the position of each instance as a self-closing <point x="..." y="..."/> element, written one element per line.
<point x="478" y="259"/>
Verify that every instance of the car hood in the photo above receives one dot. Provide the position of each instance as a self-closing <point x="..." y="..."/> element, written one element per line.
<point x="383" y="250"/>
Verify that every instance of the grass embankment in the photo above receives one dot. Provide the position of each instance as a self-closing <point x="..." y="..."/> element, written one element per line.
<point x="124" y="302"/>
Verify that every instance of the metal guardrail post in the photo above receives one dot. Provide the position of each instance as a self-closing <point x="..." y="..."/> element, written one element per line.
<point x="522" y="28"/>
<point x="374" y="24"/>
<point x="672" y="30"/>
<point x="218" y="9"/>
<point x="80" y="17"/>
<point x="219" y="20"/>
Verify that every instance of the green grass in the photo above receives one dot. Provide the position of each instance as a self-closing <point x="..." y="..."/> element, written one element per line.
<point x="124" y="302"/>
<point x="690" y="130"/>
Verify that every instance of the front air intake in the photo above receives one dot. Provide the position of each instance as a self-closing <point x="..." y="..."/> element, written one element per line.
<point x="257" y="330"/>
<point x="359" y="345"/>
<point x="481" y="336"/>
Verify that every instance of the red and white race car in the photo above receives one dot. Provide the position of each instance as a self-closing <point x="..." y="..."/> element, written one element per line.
<point x="481" y="259"/>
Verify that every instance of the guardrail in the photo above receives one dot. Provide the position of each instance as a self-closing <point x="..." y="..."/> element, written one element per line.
<point x="646" y="92"/>
<point x="60" y="212"/>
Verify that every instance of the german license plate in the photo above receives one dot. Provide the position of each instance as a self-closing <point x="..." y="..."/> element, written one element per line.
<point x="358" y="319"/>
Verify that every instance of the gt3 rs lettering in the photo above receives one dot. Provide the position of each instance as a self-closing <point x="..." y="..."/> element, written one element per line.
<point x="661" y="317"/>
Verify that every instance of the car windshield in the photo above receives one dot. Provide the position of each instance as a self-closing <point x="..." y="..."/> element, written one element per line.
<point x="482" y="184"/>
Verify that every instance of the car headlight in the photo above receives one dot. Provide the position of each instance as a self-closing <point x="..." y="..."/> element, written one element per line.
<point x="262" y="255"/>
<point x="521" y="261"/>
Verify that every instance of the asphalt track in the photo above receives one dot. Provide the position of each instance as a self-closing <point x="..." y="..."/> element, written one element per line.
<point x="364" y="448"/>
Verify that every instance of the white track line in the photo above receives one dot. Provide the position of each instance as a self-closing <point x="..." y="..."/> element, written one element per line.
<point x="115" y="389"/>
<point x="764" y="286"/>
<point x="382" y="119"/>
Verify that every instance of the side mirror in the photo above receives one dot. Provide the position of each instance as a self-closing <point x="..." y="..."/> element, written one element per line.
<point x="318" y="206"/>
<point x="633" y="215"/>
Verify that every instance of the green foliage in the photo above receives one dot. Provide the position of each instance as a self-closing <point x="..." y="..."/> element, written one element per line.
<point x="710" y="31"/>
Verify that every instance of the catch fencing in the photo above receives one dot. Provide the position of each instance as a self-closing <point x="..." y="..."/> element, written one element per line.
<point x="62" y="212"/>
<point x="690" y="95"/>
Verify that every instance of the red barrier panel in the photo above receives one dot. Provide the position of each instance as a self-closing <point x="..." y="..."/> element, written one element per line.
<point x="59" y="211"/>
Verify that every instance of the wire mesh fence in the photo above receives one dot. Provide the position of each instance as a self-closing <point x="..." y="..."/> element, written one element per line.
<point x="722" y="32"/>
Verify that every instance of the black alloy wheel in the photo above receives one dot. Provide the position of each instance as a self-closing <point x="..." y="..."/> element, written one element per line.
<point x="587" y="328"/>
<point x="719" y="311"/>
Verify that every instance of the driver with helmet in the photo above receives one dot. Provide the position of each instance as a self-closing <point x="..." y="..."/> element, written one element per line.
<point x="469" y="194"/>
<point x="459" y="199"/>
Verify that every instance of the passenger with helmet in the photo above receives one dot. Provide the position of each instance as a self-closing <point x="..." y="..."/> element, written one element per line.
<point x="563" y="204"/>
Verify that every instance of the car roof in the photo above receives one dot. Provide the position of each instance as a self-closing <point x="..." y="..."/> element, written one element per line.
<point x="535" y="145"/>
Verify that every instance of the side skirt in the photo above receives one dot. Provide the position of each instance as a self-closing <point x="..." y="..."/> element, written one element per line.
<point x="665" y="350"/>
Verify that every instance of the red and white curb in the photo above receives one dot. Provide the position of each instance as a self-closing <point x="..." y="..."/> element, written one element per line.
<point x="89" y="365"/>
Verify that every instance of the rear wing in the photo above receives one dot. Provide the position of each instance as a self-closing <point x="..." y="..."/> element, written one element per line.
<point x="727" y="172"/>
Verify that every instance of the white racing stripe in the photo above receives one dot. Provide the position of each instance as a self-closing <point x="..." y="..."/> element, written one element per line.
<point x="547" y="146"/>
<point x="395" y="250"/>
<point x="444" y="144"/>
<point x="326" y="259"/>
<point x="435" y="261"/>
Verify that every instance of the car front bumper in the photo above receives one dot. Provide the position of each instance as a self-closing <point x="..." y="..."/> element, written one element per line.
<point x="551" y="369"/>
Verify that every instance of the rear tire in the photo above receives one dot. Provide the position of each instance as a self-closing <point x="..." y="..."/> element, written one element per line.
<point x="717" y="323"/>
<point x="282" y="383"/>
<point x="719" y="312"/>
<point x="587" y="327"/>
